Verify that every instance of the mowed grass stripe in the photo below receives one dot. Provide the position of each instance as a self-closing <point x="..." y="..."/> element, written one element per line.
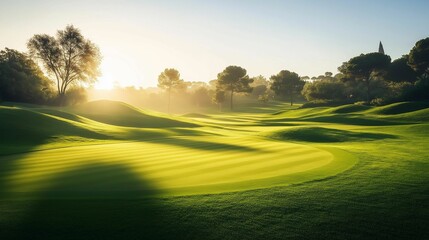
<point x="166" y="164"/>
<point x="141" y="164"/>
<point x="136" y="152"/>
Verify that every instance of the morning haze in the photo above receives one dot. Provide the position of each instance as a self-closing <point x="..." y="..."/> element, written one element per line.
<point x="214" y="120"/>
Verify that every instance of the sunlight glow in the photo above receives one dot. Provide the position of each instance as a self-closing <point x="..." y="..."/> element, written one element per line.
<point x="116" y="71"/>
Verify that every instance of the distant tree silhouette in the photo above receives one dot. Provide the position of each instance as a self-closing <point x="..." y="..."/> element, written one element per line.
<point x="419" y="57"/>
<point x="219" y="98"/>
<point x="234" y="79"/>
<point x="68" y="57"/>
<point x="287" y="84"/>
<point x="328" y="74"/>
<point x="169" y="79"/>
<point x="259" y="80"/>
<point x="305" y="78"/>
<point x="365" y="68"/>
<point x="21" y="80"/>
<point x="400" y="71"/>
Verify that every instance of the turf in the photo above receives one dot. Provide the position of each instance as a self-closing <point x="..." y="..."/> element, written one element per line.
<point x="107" y="170"/>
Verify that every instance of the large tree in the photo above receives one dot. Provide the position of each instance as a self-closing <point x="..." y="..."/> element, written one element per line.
<point x="400" y="71"/>
<point x="287" y="84"/>
<point x="21" y="80"/>
<point x="234" y="79"/>
<point x="419" y="57"/>
<point x="169" y="79"/>
<point x="365" y="68"/>
<point x="69" y="57"/>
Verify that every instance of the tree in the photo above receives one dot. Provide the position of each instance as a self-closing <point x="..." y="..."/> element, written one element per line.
<point x="286" y="84"/>
<point x="259" y="80"/>
<point x="68" y="57"/>
<point x="305" y="78"/>
<point x="328" y="74"/>
<point x="169" y="79"/>
<point x="400" y="71"/>
<point x="325" y="90"/>
<point x="419" y="57"/>
<point x="201" y="97"/>
<point x="21" y="80"/>
<point x="219" y="98"/>
<point x="234" y="79"/>
<point x="365" y="68"/>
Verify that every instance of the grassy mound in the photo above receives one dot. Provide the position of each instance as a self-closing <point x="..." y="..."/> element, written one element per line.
<point x="350" y="108"/>
<point x="121" y="114"/>
<point x="398" y="108"/>
<point x="320" y="134"/>
<point x="21" y="127"/>
<point x="418" y="116"/>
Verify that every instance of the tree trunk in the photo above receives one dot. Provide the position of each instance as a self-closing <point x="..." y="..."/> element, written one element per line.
<point x="232" y="93"/>
<point x="61" y="97"/>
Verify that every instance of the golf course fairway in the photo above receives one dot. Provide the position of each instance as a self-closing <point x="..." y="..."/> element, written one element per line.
<point x="108" y="170"/>
<point x="211" y="166"/>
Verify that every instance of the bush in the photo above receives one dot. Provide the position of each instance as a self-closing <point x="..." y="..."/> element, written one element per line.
<point x="331" y="90"/>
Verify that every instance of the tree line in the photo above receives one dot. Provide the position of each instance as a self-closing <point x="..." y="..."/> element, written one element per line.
<point x="57" y="68"/>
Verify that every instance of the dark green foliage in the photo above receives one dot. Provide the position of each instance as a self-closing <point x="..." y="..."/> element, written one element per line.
<point x="365" y="69"/>
<point x="419" y="56"/>
<point x="400" y="71"/>
<point x="287" y="84"/>
<point x="21" y="80"/>
<point x="325" y="90"/>
<point x="234" y="79"/>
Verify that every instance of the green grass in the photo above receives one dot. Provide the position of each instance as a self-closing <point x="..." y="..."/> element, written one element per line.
<point x="107" y="170"/>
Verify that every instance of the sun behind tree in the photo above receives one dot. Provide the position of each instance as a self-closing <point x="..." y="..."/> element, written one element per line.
<point x="68" y="57"/>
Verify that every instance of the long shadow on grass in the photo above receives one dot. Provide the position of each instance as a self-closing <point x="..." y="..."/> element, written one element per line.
<point x="348" y="119"/>
<point x="99" y="201"/>
<point x="206" y="145"/>
<point x="22" y="131"/>
<point x="320" y="134"/>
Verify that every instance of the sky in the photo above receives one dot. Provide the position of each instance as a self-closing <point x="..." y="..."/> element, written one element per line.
<point x="139" y="39"/>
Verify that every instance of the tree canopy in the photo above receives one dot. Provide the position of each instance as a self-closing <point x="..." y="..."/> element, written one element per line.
<point x="234" y="79"/>
<point x="169" y="79"/>
<point x="364" y="68"/>
<point x="21" y="80"/>
<point x="400" y="71"/>
<point x="419" y="57"/>
<point x="287" y="84"/>
<point x="68" y="57"/>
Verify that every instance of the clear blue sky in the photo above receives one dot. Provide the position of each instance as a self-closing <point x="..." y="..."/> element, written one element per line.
<point x="138" y="39"/>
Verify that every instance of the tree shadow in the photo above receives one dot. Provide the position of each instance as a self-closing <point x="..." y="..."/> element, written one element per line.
<point x="205" y="145"/>
<point x="99" y="201"/>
